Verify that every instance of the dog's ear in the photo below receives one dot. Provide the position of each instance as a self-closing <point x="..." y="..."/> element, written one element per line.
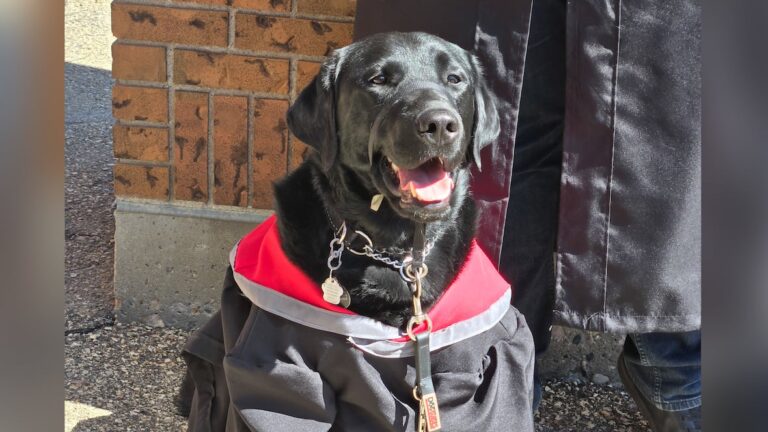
<point x="312" y="117"/>
<point x="486" y="126"/>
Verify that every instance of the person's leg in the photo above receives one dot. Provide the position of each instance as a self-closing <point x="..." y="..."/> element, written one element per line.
<point x="662" y="372"/>
<point x="531" y="223"/>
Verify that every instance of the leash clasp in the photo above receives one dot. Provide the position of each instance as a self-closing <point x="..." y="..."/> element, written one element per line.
<point x="415" y="276"/>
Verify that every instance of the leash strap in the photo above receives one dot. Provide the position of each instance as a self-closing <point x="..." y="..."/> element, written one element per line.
<point x="429" y="413"/>
<point x="419" y="244"/>
<point x="424" y="391"/>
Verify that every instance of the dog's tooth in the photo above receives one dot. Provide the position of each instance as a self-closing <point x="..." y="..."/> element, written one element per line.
<point x="412" y="188"/>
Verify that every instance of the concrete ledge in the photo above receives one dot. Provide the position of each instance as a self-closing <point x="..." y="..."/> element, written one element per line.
<point x="582" y="356"/>
<point x="192" y="209"/>
<point x="170" y="260"/>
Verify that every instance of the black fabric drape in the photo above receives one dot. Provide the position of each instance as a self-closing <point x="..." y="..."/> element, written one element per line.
<point x="619" y="83"/>
<point x="629" y="234"/>
<point x="255" y="371"/>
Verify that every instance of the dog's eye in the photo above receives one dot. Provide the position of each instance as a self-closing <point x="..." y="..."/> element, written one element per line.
<point x="378" y="79"/>
<point x="454" y="79"/>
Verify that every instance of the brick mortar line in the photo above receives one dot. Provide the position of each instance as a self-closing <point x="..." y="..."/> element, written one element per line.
<point x="138" y="124"/>
<point x="247" y="11"/>
<point x="229" y="92"/>
<point x="141" y="123"/>
<point x="143" y="163"/>
<point x="211" y="144"/>
<point x="171" y="4"/>
<point x="293" y="72"/>
<point x="216" y="91"/>
<point x="169" y="66"/>
<point x="249" y="164"/>
<point x="231" y="28"/>
<point x="226" y="50"/>
<point x="141" y="83"/>
<point x="167" y="4"/>
<point x="301" y="16"/>
<point x="293" y="13"/>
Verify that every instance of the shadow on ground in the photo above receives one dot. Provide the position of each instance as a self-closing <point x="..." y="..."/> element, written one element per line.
<point x="89" y="197"/>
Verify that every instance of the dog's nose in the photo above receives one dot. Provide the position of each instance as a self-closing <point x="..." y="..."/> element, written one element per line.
<point x="438" y="126"/>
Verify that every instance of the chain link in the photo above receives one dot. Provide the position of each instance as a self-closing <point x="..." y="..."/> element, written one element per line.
<point x="394" y="257"/>
<point x="386" y="257"/>
<point x="337" y="247"/>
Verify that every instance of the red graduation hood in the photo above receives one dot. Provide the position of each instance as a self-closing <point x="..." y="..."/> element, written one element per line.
<point x="260" y="258"/>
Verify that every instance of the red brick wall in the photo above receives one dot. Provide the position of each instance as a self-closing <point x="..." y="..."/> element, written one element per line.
<point x="201" y="90"/>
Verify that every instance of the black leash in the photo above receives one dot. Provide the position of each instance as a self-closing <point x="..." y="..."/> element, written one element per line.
<point x="415" y="271"/>
<point x="419" y="244"/>
<point x="424" y="391"/>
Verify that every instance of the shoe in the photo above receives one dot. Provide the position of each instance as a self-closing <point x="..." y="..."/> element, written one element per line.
<point x="661" y="421"/>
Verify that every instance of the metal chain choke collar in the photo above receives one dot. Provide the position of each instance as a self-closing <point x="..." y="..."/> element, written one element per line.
<point x="397" y="260"/>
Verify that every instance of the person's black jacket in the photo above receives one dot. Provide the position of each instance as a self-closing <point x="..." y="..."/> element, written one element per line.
<point x="627" y="254"/>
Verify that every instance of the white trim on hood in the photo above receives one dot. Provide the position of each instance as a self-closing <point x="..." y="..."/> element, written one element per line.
<point x="367" y="334"/>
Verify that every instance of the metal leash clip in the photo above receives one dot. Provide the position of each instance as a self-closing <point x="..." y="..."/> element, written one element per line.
<point x="415" y="277"/>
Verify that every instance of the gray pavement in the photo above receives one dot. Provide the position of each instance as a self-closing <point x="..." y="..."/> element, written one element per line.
<point x="130" y="373"/>
<point x="123" y="377"/>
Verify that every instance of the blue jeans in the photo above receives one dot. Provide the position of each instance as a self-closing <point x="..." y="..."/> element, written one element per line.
<point x="666" y="368"/>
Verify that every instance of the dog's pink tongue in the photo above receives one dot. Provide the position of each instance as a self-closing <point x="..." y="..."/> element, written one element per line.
<point x="428" y="183"/>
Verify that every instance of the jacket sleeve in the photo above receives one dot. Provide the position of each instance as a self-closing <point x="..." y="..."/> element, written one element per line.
<point x="204" y="395"/>
<point x="243" y="384"/>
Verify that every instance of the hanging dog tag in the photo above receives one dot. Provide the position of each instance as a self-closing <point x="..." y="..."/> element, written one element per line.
<point x="334" y="293"/>
<point x="428" y="399"/>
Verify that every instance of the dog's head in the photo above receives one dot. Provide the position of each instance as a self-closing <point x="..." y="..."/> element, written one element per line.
<point x="404" y="113"/>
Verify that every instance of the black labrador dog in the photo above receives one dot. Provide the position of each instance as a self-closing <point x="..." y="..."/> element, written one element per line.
<point x="401" y="115"/>
<point x="395" y="121"/>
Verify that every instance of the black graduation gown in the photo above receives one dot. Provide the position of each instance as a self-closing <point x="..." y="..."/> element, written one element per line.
<point x="276" y="357"/>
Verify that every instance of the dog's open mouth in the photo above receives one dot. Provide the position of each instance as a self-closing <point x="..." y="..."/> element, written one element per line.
<point x="428" y="183"/>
